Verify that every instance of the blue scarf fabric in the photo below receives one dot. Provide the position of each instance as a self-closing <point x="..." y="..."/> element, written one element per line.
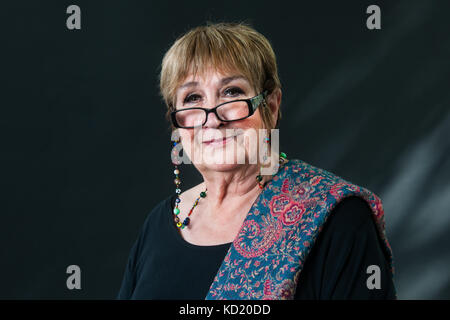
<point x="267" y="256"/>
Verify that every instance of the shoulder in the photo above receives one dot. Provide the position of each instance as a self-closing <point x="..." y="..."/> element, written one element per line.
<point x="351" y="210"/>
<point x="350" y="220"/>
<point x="153" y="225"/>
<point x="349" y="230"/>
<point x="350" y="214"/>
<point x="157" y="215"/>
<point x="160" y="209"/>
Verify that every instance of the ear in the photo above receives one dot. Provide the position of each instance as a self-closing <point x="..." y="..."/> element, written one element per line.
<point x="274" y="102"/>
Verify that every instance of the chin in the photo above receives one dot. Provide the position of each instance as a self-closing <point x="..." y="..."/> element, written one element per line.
<point x="222" y="167"/>
<point x="216" y="161"/>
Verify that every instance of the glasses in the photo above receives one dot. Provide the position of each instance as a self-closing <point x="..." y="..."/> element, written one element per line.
<point x="227" y="112"/>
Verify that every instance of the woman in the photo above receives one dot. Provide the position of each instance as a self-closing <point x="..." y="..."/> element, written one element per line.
<point x="298" y="232"/>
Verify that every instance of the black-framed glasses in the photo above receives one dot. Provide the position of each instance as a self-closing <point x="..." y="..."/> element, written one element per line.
<point x="227" y="112"/>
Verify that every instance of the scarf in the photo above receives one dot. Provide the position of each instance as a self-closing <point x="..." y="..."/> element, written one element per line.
<point x="266" y="257"/>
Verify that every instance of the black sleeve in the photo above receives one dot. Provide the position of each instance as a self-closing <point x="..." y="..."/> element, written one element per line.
<point x="129" y="276"/>
<point x="348" y="244"/>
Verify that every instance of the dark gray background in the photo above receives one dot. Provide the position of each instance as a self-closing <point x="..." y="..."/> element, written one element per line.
<point x="85" y="148"/>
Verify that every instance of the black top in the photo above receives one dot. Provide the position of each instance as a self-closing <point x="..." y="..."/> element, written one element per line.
<point x="162" y="265"/>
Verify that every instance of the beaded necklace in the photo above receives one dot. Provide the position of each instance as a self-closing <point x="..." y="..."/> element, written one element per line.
<point x="283" y="159"/>
<point x="176" y="210"/>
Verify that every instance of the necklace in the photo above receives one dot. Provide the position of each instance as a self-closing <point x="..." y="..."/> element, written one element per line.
<point x="176" y="211"/>
<point x="282" y="160"/>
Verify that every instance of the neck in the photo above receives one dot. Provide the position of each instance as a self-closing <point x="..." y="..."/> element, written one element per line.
<point x="232" y="192"/>
<point x="229" y="190"/>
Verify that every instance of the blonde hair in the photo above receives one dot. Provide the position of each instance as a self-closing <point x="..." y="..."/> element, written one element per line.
<point x="225" y="47"/>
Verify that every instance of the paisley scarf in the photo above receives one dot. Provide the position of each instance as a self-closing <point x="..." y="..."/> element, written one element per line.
<point x="267" y="256"/>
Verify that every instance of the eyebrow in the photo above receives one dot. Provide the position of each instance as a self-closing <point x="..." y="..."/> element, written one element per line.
<point x="223" y="81"/>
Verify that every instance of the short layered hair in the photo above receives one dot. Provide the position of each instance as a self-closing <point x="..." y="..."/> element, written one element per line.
<point x="227" y="47"/>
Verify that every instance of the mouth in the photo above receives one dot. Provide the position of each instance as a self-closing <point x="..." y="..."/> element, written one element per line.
<point x="219" y="141"/>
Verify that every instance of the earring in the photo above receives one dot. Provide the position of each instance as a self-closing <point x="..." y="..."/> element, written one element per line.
<point x="259" y="177"/>
<point x="282" y="160"/>
<point x="176" y="211"/>
<point x="177" y="181"/>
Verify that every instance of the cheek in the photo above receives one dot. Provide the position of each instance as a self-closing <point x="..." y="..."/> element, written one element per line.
<point x="186" y="139"/>
<point x="186" y="135"/>
<point x="255" y="122"/>
<point x="251" y="127"/>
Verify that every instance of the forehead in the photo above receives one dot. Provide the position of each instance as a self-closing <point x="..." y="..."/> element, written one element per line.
<point x="215" y="76"/>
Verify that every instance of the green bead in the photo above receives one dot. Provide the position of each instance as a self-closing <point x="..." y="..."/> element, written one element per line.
<point x="203" y="194"/>
<point x="259" y="178"/>
<point x="176" y="211"/>
<point x="283" y="155"/>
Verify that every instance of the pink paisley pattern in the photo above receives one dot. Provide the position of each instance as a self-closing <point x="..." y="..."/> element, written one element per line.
<point x="262" y="240"/>
<point x="267" y="256"/>
<point x="288" y="212"/>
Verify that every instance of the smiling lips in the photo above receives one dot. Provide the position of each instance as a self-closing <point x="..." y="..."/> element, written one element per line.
<point x="220" y="141"/>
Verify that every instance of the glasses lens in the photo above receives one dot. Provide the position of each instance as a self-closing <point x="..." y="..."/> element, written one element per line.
<point x="190" y="117"/>
<point x="233" y="111"/>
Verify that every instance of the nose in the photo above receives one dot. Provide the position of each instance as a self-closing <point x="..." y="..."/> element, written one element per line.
<point x="212" y="121"/>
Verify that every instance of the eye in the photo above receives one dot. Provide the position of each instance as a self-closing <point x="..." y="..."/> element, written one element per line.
<point x="230" y="92"/>
<point x="233" y="91"/>
<point x="190" y="98"/>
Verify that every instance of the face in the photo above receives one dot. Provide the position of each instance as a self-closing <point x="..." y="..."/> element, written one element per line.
<point x="218" y="145"/>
